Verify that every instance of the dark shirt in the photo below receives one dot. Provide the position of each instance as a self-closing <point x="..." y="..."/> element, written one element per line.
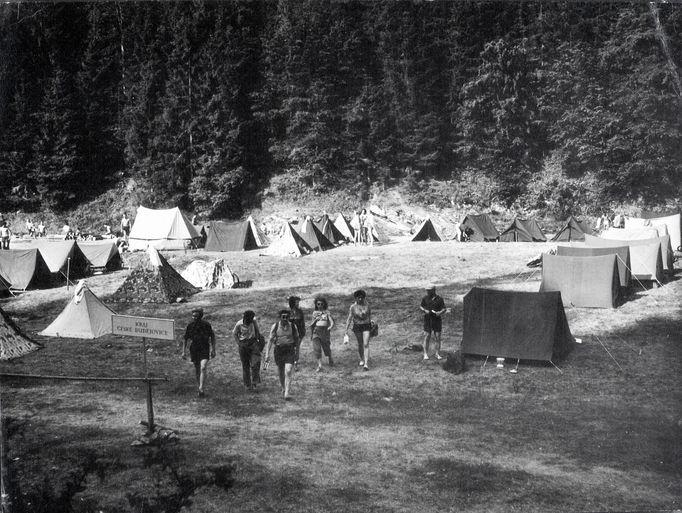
<point x="199" y="332"/>
<point x="435" y="304"/>
<point x="297" y="318"/>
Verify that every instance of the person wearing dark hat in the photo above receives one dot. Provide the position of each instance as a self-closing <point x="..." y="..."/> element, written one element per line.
<point x="297" y="318"/>
<point x="201" y="339"/>
<point x="284" y="336"/>
<point x="433" y="307"/>
<point x="361" y="317"/>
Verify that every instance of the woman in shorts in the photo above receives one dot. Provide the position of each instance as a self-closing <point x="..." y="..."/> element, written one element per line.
<point x="284" y="336"/>
<point x="321" y="326"/>
<point x="361" y="316"/>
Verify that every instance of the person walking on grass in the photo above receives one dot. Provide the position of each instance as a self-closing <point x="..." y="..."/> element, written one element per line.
<point x="433" y="307"/>
<point x="321" y="327"/>
<point x="5" y="234"/>
<point x="201" y="339"/>
<point x="245" y="333"/>
<point x="361" y="316"/>
<point x="298" y="319"/>
<point x="284" y="337"/>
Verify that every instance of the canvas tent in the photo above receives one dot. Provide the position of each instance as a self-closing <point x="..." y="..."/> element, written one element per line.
<point x="479" y="228"/>
<point x="329" y="230"/>
<point x="209" y="275"/>
<point x="102" y="255"/>
<point x="643" y="232"/>
<point x="622" y="257"/>
<point x="646" y="257"/>
<point x="313" y="236"/>
<point x="24" y="268"/>
<point x="344" y="227"/>
<point x="426" y="231"/>
<point x="5" y="287"/>
<point x="588" y="282"/>
<point x="671" y="221"/>
<point x="572" y="230"/>
<point x="667" y="256"/>
<point x="231" y="236"/>
<point x="84" y="316"/>
<point x="523" y="230"/>
<point x="162" y="229"/>
<point x="289" y="243"/>
<point x="509" y="324"/>
<point x="63" y="257"/>
<point x="13" y="342"/>
<point x="156" y="282"/>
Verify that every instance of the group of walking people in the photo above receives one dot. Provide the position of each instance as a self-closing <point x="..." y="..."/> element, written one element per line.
<point x="288" y="331"/>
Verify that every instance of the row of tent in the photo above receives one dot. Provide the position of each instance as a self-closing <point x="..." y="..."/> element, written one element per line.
<point x="44" y="262"/>
<point x="597" y="272"/>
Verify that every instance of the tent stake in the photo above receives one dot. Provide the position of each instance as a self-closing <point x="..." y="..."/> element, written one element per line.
<point x="557" y="368"/>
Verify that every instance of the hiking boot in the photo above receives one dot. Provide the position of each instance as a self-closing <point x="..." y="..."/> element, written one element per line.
<point x="438" y="357"/>
<point x="426" y="357"/>
<point x="362" y="362"/>
<point x="365" y="367"/>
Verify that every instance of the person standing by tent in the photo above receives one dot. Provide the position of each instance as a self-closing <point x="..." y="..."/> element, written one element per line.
<point x="201" y="339"/>
<point x="298" y="319"/>
<point x="369" y="228"/>
<point x="320" y="335"/>
<point x="284" y="337"/>
<point x="433" y="307"/>
<point x="356" y="224"/>
<point x="364" y="237"/>
<point x="41" y="229"/>
<point x="246" y="334"/>
<point x="125" y="225"/>
<point x="361" y="316"/>
<point x="5" y="234"/>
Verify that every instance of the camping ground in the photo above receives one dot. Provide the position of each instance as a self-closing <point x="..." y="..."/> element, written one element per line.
<point x="602" y="432"/>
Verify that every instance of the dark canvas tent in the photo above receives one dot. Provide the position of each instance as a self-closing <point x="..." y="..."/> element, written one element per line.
<point x="426" y="231"/>
<point x="63" y="257"/>
<point x="509" y="324"/>
<point x="156" y="282"/>
<point x="231" y="236"/>
<point x="313" y="236"/>
<point x="622" y="257"/>
<point x="646" y="257"/>
<point x="479" y="228"/>
<point x="344" y="227"/>
<point x="523" y="230"/>
<point x="588" y="281"/>
<point x="13" y="343"/>
<point x="572" y="230"/>
<point x="289" y="243"/>
<point x="84" y="316"/>
<point x="329" y="230"/>
<point x="4" y="287"/>
<point x="102" y="255"/>
<point x="24" y="268"/>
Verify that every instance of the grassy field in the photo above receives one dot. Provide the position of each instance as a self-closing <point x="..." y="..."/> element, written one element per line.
<point x="600" y="433"/>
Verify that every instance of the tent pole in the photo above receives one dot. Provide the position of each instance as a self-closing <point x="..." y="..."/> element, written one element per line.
<point x="485" y="361"/>
<point x="68" y="269"/>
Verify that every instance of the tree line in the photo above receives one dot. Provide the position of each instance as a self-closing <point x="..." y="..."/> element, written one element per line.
<point x="551" y="103"/>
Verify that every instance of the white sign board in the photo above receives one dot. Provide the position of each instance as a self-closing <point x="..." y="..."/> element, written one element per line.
<point x="147" y="327"/>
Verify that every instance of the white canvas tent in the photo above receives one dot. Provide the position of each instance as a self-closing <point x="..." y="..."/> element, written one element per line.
<point x="84" y="316"/>
<point x="162" y="229"/>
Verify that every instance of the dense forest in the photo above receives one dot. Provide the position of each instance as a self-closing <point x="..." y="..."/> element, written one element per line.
<point x="205" y="103"/>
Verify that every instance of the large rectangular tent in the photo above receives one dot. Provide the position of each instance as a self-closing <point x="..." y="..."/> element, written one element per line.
<point x="162" y="229"/>
<point x="622" y="257"/>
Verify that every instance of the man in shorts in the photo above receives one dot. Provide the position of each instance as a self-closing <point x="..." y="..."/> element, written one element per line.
<point x="433" y="307"/>
<point x="201" y="339"/>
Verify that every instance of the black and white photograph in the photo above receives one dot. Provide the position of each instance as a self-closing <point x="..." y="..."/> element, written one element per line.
<point x="340" y="256"/>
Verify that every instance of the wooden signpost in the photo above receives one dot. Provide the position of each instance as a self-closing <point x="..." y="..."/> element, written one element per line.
<point x="145" y="327"/>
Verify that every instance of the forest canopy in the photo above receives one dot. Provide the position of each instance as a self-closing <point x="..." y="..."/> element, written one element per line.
<point x="551" y="103"/>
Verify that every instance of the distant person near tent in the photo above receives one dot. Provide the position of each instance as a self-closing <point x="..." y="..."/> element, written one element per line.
<point x="298" y="319"/>
<point x="369" y="228"/>
<point x="41" y="229"/>
<point x="201" y="339"/>
<point x="361" y="316"/>
<point x="125" y="226"/>
<point x="321" y="327"/>
<point x="246" y="334"/>
<point x="356" y="224"/>
<point x="5" y="234"/>
<point x="284" y="337"/>
<point x="433" y="307"/>
<point x="364" y="229"/>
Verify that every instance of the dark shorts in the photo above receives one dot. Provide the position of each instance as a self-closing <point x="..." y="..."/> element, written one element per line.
<point x="321" y="341"/>
<point x="199" y="351"/>
<point x="433" y="323"/>
<point x="285" y="354"/>
<point x="359" y="328"/>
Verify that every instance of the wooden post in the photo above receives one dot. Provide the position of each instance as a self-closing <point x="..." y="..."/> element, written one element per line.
<point x="150" y="404"/>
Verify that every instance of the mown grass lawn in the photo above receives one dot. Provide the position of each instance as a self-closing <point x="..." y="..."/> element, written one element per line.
<point x="603" y="432"/>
